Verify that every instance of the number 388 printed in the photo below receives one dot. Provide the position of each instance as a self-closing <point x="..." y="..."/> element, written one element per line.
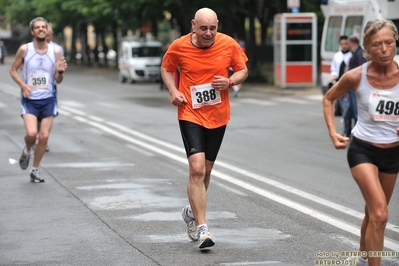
<point x="205" y="96"/>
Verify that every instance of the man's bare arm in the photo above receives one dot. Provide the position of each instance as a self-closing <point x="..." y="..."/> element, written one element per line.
<point x="18" y="62"/>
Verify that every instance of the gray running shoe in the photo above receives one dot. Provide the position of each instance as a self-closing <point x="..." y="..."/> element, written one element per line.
<point x="191" y="225"/>
<point x="24" y="159"/>
<point x="34" y="175"/>
<point x="206" y="240"/>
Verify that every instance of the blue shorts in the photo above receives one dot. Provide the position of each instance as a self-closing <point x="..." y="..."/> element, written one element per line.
<point x="40" y="108"/>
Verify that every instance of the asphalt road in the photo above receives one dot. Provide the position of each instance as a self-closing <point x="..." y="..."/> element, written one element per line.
<point x="116" y="178"/>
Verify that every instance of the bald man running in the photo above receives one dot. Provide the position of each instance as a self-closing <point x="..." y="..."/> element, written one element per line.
<point x="204" y="57"/>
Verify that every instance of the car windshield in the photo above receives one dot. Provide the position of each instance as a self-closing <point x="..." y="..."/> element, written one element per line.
<point x="147" y="51"/>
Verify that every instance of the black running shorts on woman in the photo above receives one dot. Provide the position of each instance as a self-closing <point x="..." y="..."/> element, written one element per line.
<point x="387" y="160"/>
<point x="197" y="139"/>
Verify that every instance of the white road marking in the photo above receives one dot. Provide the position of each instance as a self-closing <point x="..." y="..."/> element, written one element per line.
<point x="63" y="112"/>
<point x="389" y="243"/>
<point x="263" y="179"/>
<point x="91" y="165"/>
<point x="10" y="89"/>
<point x="338" y="223"/>
<point x="315" y="97"/>
<point x="229" y="189"/>
<point x="256" y="101"/>
<point x="96" y="118"/>
<point x="71" y="103"/>
<point x="290" y="100"/>
<point x="73" y="110"/>
<point x="139" y="150"/>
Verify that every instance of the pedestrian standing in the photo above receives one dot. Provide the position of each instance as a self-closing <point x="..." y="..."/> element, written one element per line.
<point x="204" y="57"/>
<point x="373" y="152"/>
<point x="339" y="65"/>
<point x="356" y="60"/>
<point x="43" y="65"/>
<point x="2" y="52"/>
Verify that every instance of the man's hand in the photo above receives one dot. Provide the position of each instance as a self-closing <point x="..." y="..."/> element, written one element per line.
<point x="220" y="83"/>
<point x="177" y="98"/>
<point x="26" y="90"/>
<point x="62" y="65"/>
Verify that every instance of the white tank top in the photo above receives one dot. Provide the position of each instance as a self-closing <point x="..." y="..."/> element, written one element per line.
<point x="378" y="112"/>
<point x="39" y="71"/>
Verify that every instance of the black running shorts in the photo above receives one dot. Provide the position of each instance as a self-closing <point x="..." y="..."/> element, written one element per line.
<point x="387" y="160"/>
<point x="197" y="139"/>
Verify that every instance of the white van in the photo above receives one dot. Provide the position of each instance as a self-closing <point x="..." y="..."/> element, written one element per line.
<point x="343" y="17"/>
<point x="139" y="60"/>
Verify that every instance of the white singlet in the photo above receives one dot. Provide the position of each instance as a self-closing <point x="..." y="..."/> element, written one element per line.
<point x="39" y="71"/>
<point x="378" y="112"/>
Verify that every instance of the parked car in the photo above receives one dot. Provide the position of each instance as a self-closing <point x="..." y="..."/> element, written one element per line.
<point x="139" y="60"/>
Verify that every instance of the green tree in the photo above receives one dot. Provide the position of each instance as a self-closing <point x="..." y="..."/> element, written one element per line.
<point x="116" y="17"/>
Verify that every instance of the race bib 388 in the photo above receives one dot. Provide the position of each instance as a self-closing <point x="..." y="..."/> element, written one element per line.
<point x="204" y="94"/>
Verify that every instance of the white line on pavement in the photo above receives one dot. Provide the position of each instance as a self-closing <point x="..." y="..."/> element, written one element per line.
<point x="338" y="223"/>
<point x="256" y="101"/>
<point x="255" y="176"/>
<point x="389" y="243"/>
<point x="290" y="100"/>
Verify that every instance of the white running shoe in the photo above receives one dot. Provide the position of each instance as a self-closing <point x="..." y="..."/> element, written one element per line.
<point x="206" y="240"/>
<point x="34" y="175"/>
<point x="191" y="225"/>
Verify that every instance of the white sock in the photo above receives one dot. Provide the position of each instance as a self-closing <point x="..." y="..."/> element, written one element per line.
<point x="202" y="228"/>
<point x="360" y="261"/>
<point x="34" y="169"/>
<point x="190" y="213"/>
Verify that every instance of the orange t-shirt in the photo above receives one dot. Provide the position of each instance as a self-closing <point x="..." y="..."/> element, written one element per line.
<point x="199" y="66"/>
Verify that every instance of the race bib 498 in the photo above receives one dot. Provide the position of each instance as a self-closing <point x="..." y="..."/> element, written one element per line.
<point x="384" y="105"/>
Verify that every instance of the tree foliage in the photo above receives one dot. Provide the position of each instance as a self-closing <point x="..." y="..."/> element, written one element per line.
<point x="236" y="17"/>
